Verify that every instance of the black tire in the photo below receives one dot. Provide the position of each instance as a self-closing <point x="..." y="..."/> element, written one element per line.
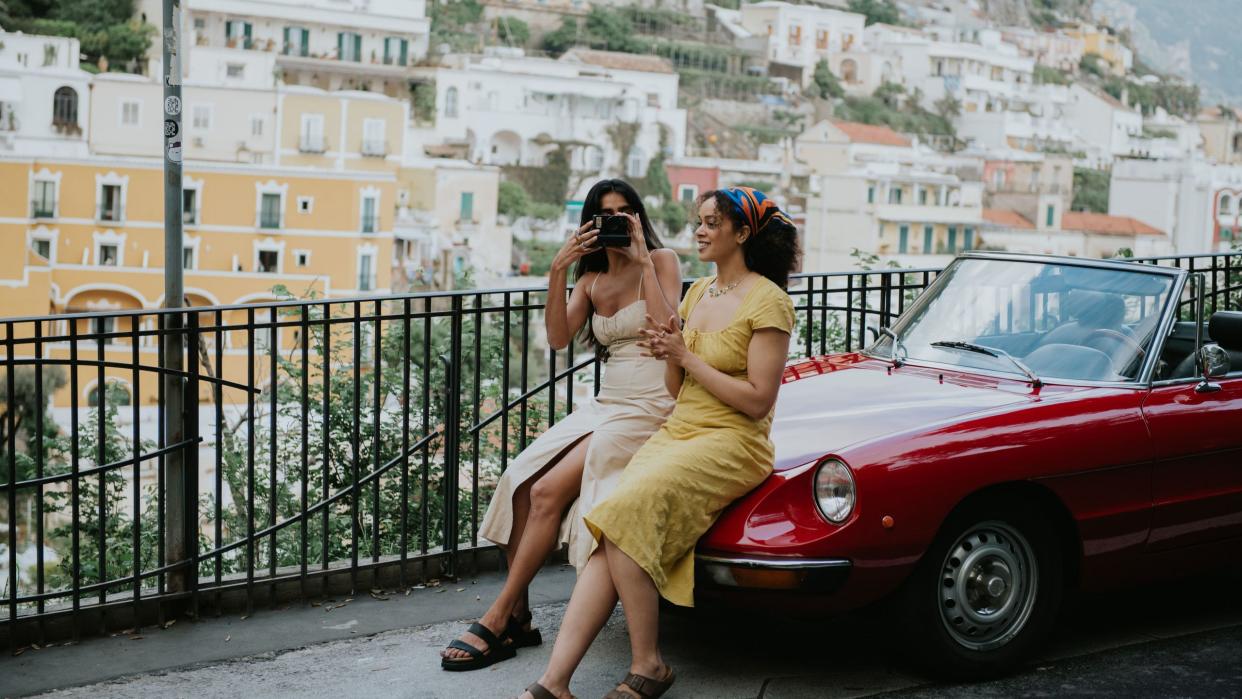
<point x="954" y="626"/>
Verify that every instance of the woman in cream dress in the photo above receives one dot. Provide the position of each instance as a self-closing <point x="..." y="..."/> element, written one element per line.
<point x="542" y="497"/>
<point x="725" y="368"/>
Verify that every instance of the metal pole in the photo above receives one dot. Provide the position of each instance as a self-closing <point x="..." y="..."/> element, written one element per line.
<point x="176" y="495"/>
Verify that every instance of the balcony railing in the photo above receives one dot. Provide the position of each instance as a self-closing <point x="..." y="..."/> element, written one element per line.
<point x="339" y="442"/>
<point x="375" y="147"/>
<point x="41" y="208"/>
<point x="269" y="220"/>
<point x="370" y="223"/>
<point x="113" y="213"/>
<point x="312" y="144"/>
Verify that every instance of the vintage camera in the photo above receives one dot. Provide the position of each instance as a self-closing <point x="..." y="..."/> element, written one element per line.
<point x="614" y="231"/>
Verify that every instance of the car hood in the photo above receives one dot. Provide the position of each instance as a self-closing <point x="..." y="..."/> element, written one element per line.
<point x="857" y="402"/>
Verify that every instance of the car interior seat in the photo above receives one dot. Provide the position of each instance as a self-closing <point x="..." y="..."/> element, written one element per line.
<point x="1225" y="330"/>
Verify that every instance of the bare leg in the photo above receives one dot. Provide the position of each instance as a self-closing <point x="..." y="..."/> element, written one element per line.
<point x="550" y="496"/>
<point x="591" y="604"/>
<point x="641" y="601"/>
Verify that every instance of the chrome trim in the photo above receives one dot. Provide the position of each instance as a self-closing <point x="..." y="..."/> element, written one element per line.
<point x="1012" y="376"/>
<point x="777" y="563"/>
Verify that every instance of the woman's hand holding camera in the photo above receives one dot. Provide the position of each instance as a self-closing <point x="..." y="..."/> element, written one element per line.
<point x="637" y="249"/>
<point x="664" y="341"/>
<point x="581" y="242"/>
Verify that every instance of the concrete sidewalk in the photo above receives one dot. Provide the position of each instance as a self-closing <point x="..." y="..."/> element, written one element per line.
<point x="374" y="647"/>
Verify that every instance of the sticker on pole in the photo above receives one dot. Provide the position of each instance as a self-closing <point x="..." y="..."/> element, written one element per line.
<point x="174" y="152"/>
<point x="172" y="105"/>
<point x="170" y="128"/>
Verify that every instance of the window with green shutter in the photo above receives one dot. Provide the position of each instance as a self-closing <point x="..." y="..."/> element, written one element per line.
<point x="968" y="238"/>
<point x="952" y="239"/>
<point x="395" y="51"/>
<point x="349" y="46"/>
<point x="903" y="242"/>
<point x="297" y="41"/>
<point x="927" y="240"/>
<point x="467" y="206"/>
<point x="1051" y="214"/>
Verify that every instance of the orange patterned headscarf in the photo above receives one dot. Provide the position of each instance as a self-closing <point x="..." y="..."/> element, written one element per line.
<point x="756" y="209"/>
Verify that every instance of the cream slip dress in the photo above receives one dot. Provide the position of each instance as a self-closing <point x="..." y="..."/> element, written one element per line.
<point x="632" y="404"/>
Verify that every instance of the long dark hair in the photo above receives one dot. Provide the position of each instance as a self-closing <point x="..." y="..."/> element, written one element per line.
<point x="772" y="250"/>
<point x="598" y="260"/>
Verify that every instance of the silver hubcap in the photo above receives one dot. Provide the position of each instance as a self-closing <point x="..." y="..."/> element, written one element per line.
<point x="987" y="586"/>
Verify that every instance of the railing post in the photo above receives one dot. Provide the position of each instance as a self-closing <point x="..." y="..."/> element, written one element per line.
<point x="452" y="435"/>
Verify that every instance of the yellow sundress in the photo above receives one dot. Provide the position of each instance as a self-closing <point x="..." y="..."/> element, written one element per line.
<point x="704" y="457"/>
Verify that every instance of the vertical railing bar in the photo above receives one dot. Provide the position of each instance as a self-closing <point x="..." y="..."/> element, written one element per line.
<point x="522" y="438"/>
<point x="75" y="484"/>
<point x="218" y="506"/>
<point x="304" y="476"/>
<point x="551" y="387"/>
<point x="476" y="437"/>
<point x="866" y="307"/>
<point x="250" y="474"/>
<point x="101" y="458"/>
<point x="425" y="476"/>
<point x="849" y="313"/>
<point x="377" y="375"/>
<point x="272" y="345"/>
<point x="11" y="447"/>
<point x="504" y="388"/>
<point x="355" y="455"/>
<point x="405" y="439"/>
<point x="136" y="403"/>
<point x="326" y="347"/>
<point x="569" y="378"/>
<point x="823" y="315"/>
<point x="40" y="607"/>
<point x="810" y="316"/>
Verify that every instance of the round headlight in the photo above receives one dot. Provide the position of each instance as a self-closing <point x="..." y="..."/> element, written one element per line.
<point x="834" y="490"/>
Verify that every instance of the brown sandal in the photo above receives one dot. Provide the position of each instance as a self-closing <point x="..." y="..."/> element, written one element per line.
<point x="539" y="691"/>
<point x="644" y="687"/>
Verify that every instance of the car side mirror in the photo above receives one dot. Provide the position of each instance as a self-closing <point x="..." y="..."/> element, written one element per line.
<point x="1213" y="363"/>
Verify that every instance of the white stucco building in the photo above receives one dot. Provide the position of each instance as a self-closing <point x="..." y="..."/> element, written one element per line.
<point x="876" y="190"/>
<point x="1107" y="127"/>
<point x="328" y="44"/>
<point x="794" y="38"/>
<point x="984" y="74"/>
<point x="1195" y="201"/>
<point x="45" y="98"/>
<point x="513" y="110"/>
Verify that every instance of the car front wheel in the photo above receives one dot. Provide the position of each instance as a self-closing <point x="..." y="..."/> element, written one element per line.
<point x="985" y="594"/>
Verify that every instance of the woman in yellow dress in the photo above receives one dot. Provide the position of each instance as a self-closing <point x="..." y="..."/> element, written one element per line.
<point x="725" y="369"/>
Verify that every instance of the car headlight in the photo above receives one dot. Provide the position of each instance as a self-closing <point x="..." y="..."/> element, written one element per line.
<point x="834" y="490"/>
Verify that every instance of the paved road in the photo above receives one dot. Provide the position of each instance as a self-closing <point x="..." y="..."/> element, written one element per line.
<point x="1173" y="640"/>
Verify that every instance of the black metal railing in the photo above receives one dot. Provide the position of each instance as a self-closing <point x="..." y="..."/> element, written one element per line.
<point x="335" y="439"/>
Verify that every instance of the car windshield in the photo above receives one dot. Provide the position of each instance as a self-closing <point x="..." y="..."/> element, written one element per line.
<point x="1059" y="321"/>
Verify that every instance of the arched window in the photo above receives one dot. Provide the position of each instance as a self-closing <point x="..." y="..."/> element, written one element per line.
<point x="849" y="71"/>
<point x="1226" y="205"/>
<point x="450" y="103"/>
<point x="634" y="165"/>
<point x="65" y="107"/>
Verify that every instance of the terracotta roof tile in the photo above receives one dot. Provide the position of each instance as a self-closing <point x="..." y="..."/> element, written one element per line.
<point x="619" y="61"/>
<point x="1007" y="217"/>
<point x="1105" y="225"/>
<point x="868" y="133"/>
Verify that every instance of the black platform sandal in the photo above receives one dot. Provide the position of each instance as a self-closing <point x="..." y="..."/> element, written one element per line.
<point x="522" y="637"/>
<point x="497" y="650"/>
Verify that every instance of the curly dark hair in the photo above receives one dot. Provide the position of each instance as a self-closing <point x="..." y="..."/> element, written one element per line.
<point x="772" y="251"/>
<point x="598" y="260"/>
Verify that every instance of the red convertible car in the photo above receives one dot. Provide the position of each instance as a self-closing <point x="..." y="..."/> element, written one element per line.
<point x="1030" y="424"/>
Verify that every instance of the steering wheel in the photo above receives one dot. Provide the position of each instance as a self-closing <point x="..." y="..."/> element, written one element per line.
<point x="1114" y="335"/>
